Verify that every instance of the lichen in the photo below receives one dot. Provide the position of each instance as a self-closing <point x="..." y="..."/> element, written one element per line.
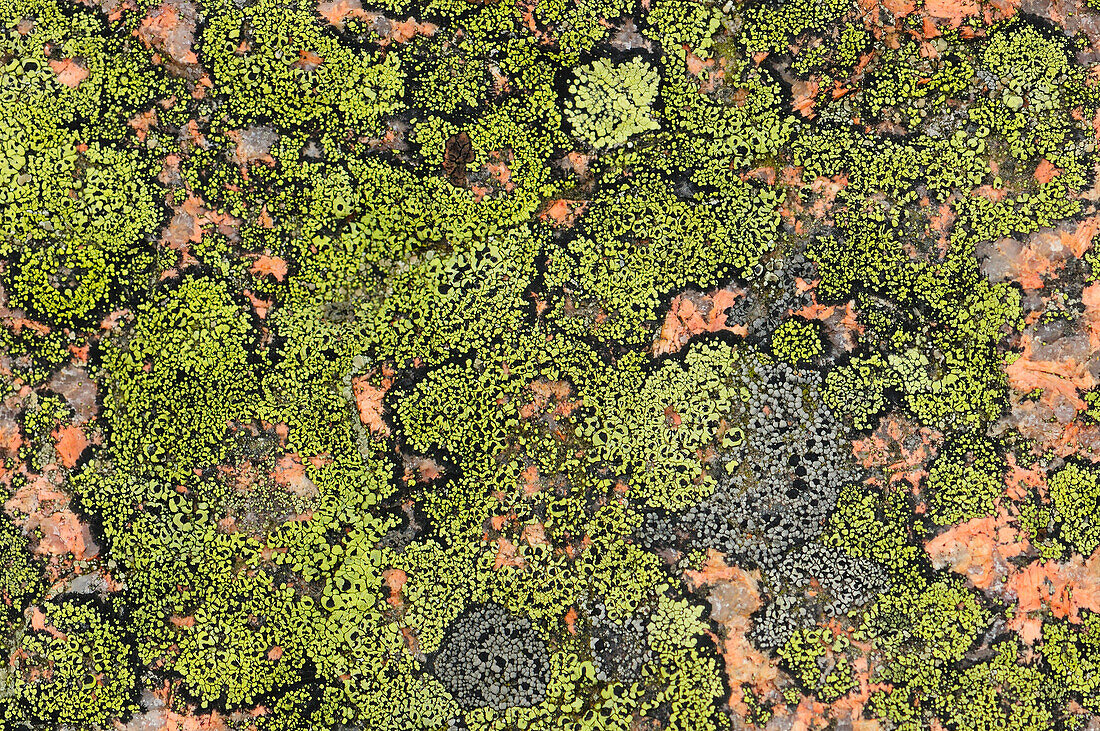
<point x="556" y="366"/>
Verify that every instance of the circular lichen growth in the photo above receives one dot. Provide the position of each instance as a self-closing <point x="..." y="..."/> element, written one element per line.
<point x="780" y="474"/>
<point x="492" y="659"/>
<point x="64" y="283"/>
<point x="609" y="103"/>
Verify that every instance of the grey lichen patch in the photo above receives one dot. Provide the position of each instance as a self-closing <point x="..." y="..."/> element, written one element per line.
<point x="493" y="659"/>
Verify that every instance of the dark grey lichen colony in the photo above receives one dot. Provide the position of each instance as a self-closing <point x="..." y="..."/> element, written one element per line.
<point x="577" y="365"/>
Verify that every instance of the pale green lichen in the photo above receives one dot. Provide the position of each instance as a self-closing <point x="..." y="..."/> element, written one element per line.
<point x="610" y="103"/>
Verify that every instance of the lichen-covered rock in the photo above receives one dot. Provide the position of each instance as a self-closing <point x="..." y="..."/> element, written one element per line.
<point x="619" y="649"/>
<point x="778" y="468"/>
<point x="492" y="659"/>
<point x="612" y="102"/>
<point x="410" y="366"/>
